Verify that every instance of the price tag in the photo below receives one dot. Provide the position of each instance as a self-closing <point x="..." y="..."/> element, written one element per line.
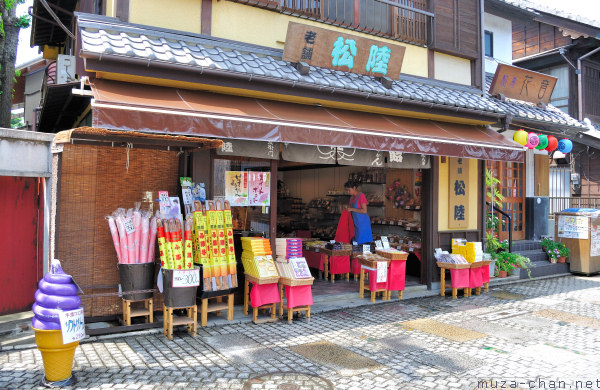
<point x="381" y="271"/>
<point x="187" y="195"/>
<point x="367" y="248"/>
<point x="163" y="197"/>
<point x="332" y="241"/>
<point x="72" y="325"/>
<point x="186" y="277"/>
<point x="378" y="244"/>
<point x="354" y="243"/>
<point x="385" y="242"/>
<point x="129" y="228"/>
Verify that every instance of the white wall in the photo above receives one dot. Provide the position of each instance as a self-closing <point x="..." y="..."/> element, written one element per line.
<point x="502" y="38"/>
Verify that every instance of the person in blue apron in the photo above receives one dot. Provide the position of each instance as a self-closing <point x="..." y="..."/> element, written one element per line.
<point x="358" y="208"/>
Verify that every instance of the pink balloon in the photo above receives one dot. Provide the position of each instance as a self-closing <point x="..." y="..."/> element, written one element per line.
<point x="532" y="140"/>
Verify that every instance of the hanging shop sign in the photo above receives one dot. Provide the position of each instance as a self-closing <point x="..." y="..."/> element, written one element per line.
<point x="349" y="53"/>
<point x="458" y="199"/>
<point x="308" y="153"/>
<point x="360" y="157"/>
<point x="522" y="84"/>
<point x="256" y="149"/>
<point x="408" y="161"/>
<point x="248" y="188"/>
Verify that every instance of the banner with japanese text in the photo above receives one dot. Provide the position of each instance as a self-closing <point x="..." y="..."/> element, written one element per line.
<point x="236" y="188"/>
<point x="259" y="188"/>
<point x="458" y="192"/>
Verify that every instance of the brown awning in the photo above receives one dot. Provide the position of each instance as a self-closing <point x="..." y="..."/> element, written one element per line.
<point x="128" y="106"/>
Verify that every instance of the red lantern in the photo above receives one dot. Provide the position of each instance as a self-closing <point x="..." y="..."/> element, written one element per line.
<point x="552" y="143"/>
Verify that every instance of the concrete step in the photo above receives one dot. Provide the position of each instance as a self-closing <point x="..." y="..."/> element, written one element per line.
<point x="534" y="255"/>
<point x="544" y="268"/>
<point x="526" y="245"/>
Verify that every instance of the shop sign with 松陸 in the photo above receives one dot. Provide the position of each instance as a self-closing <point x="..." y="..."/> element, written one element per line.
<point x="335" y="50"/>
<point x="458" y="199"/>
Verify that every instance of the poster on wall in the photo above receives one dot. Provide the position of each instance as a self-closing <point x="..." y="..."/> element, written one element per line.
<point x="236" y="188"/>
<point x="259" y="188"/>
<point x="458" y="193"/>
<point x="595" y="240"/>
<point x="572" y="226"/>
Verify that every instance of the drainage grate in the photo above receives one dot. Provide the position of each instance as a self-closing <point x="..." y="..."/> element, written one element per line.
<point x="288" y="381"/>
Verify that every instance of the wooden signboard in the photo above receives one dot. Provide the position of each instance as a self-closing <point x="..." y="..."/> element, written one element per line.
<point x="522" y="84"/>
<point x="458" y="193"/>
<point x="349" y="53"/>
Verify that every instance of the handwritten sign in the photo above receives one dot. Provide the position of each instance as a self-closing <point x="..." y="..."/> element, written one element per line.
<point x="385" y="242"/>
<point x="522" y="84"/>
<point x="458" y="191"/>
<point x="72" y="325"/>
<point x="378" y="244"/>
<point x="381" y="271"/>
<point x="186" y="278"/>
<point x="259" y="189"/>
<point x="163" y="197"/>
<point x="187" y="195"/>
<point x="335" y="50"/>
<point x="367" y="248"/>
<point x="236" y="188"/>
<point x="571" y="226"/>
<point x="129" y="228"/>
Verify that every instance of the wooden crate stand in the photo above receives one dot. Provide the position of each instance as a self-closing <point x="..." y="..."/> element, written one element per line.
<point x="271" y="306"/>
<point x="443" y="268"/>
<point x="329" y="253"/>
<point x="299" y="309"/>
<point x="170" y="320"/>
<point x="216" y="307"/>
<point x="129" y="312"/>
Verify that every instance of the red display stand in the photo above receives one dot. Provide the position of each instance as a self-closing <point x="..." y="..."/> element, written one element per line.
<point x="298" y="294"/>
<point x="264" y="295"/>
<point x="459" y="278"/>
<point x="396" y="277"/>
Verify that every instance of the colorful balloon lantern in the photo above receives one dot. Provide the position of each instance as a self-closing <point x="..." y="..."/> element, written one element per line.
<point x="532" y="140"/>
<point x="565" y="146"/>
<point x="520" y="137"/>
<point x="543" y="142"/>
<point x="552" y="143"/>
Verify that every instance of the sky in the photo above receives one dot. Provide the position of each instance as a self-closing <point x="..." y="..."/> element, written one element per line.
<point x="585" y="8"/>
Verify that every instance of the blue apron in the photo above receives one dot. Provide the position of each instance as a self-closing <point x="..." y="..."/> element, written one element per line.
<point x="362" y="224"/>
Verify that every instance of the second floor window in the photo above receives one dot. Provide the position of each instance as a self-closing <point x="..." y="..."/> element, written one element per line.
<point x="489" y="44"/>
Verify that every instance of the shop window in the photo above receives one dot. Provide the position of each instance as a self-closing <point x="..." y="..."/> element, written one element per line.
<point x="489" y="44"/>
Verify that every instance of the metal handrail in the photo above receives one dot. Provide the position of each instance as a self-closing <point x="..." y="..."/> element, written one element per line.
<point x="509" y="225"/>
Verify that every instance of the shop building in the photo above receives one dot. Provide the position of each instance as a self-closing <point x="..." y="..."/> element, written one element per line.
<point x="410" y="138"/>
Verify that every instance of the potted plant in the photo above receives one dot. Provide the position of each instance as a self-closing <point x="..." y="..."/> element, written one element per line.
<point x="546" y="242"/>
<point x="505" y="263"/>
<point x="523" y="262"/>
<point x="563" y="252"/>
<point x="553" y="252"/>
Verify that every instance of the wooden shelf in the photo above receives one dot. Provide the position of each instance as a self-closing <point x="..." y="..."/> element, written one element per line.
<point x="217" y="306"/>
<point x="139" y="312"/>
<point x="182" y="321"/>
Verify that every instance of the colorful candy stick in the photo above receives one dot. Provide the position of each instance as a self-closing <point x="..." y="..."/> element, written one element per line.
<point x="151" y="241"/>
<point x="115" y="236"/>
<point x="137" y="224"/>
<point x="123" y="240"/>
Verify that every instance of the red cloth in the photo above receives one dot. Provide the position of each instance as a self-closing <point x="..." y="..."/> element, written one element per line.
<point x="396" y="275"/>
<point x="459" y="278"/>
<point x="339" y="264"/>
<point x="373" y="285"/>
<point x="298" y="296"/>
<point x="314" y="259"/>
<point x="264" y="294"/>
<point x="485" y="274"/>
<point x="355" y="266"/>
<point x="475" y="279"/>
<point x="345" y="228"/>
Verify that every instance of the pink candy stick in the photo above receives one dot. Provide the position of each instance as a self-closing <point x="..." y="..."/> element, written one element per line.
<point x="115" y="236"/>
<point x="137" y="224"/>
<point x="144" y="240"/>
<point x="151" y="240"/>
<point x="131" y="247"/>
<point x="123" y="241"/>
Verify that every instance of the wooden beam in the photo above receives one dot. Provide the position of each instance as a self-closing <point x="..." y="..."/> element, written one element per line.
<point x="273" y="207"/>
<point x="122" y="11"/>
<point x="206" y="17"/>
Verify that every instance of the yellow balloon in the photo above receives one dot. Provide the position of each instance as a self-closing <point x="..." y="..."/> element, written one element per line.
<point x="521" y="137"/>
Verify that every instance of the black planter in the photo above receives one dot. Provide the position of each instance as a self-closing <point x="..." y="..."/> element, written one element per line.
<point x="177" y="296"/>
<point x="135" y="277"/>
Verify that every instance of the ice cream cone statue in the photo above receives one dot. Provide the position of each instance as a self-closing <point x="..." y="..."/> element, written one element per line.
<point x="56" y="295"/>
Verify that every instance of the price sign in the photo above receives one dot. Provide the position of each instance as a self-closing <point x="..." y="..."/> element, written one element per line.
<point x="381" y="271"/>
<point x="163" y="197"/>
<point x="354" y="243"/>
<point x="72" y="325"/>
<point x="378" y="244"/>
<point x="385" y="242"/>
<point x="186" y="277"/>
<point x="187" y="196"/>
<point x="411" y="249"/>
<point x="332" y="241"/>
<point x="367" y="248"/>
<point x="129" y="228"/>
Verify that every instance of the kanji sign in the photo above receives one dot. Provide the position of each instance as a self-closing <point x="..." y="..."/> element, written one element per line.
<point x="351" y="53"/>
<point x="522" y="84"/>
<point x="458" y="199"/>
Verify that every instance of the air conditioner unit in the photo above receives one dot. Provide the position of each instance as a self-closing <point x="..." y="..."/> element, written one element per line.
<point x="65" y="69"/>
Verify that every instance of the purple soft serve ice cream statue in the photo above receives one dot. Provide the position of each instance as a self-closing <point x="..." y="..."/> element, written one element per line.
<point x="56" y="292"/>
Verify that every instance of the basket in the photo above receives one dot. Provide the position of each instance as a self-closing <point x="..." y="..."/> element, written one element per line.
<point x="135" y="277"/>
<point x="257" y="280"/>
<point x="371" y="263"/>
<point x="296" y="282"/>
<point x="177" y="296"/>
<point x="331" y="252"/>
<point x="392" y="255"/>
<point x="453" y="266"/>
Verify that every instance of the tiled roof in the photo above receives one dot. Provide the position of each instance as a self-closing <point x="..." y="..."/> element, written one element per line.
<point x="543" y="6"/>
<point x="108" y="36"/>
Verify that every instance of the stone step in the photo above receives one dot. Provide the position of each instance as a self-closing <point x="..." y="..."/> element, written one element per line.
<point x="526" y="245"/>
<point x="544" y="268"/>
<point x="534" y="255"/>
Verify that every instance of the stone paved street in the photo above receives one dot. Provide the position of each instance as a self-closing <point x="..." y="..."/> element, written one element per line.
<point x="524" y="335"/>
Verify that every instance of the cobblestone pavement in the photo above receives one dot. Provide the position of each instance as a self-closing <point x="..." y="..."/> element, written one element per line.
<point x="523" y="335"/>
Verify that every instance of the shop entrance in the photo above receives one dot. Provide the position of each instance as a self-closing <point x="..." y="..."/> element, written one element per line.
<point x="512" y="188"/>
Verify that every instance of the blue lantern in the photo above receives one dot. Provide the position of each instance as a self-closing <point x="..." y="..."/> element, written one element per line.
<point x="565" y="146"/>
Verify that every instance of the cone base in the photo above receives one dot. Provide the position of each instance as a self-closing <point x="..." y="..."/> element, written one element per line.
<point x="57" y="357"/>
<point x="70" y="381"/>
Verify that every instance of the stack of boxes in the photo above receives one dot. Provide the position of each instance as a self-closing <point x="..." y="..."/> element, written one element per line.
<point x="288" y="248"/>
<point x="257" y="257"/>
<point x="474" y="252"/>
<point x="290" y="262"/>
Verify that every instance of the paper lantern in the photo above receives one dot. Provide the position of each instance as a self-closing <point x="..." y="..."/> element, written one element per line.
<point x="543" y="142"/>
<point x="520" y="137"/>
<point x="552" y="143"/>
<point x="532" y="140"/>
<point x="565" y="146"/>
